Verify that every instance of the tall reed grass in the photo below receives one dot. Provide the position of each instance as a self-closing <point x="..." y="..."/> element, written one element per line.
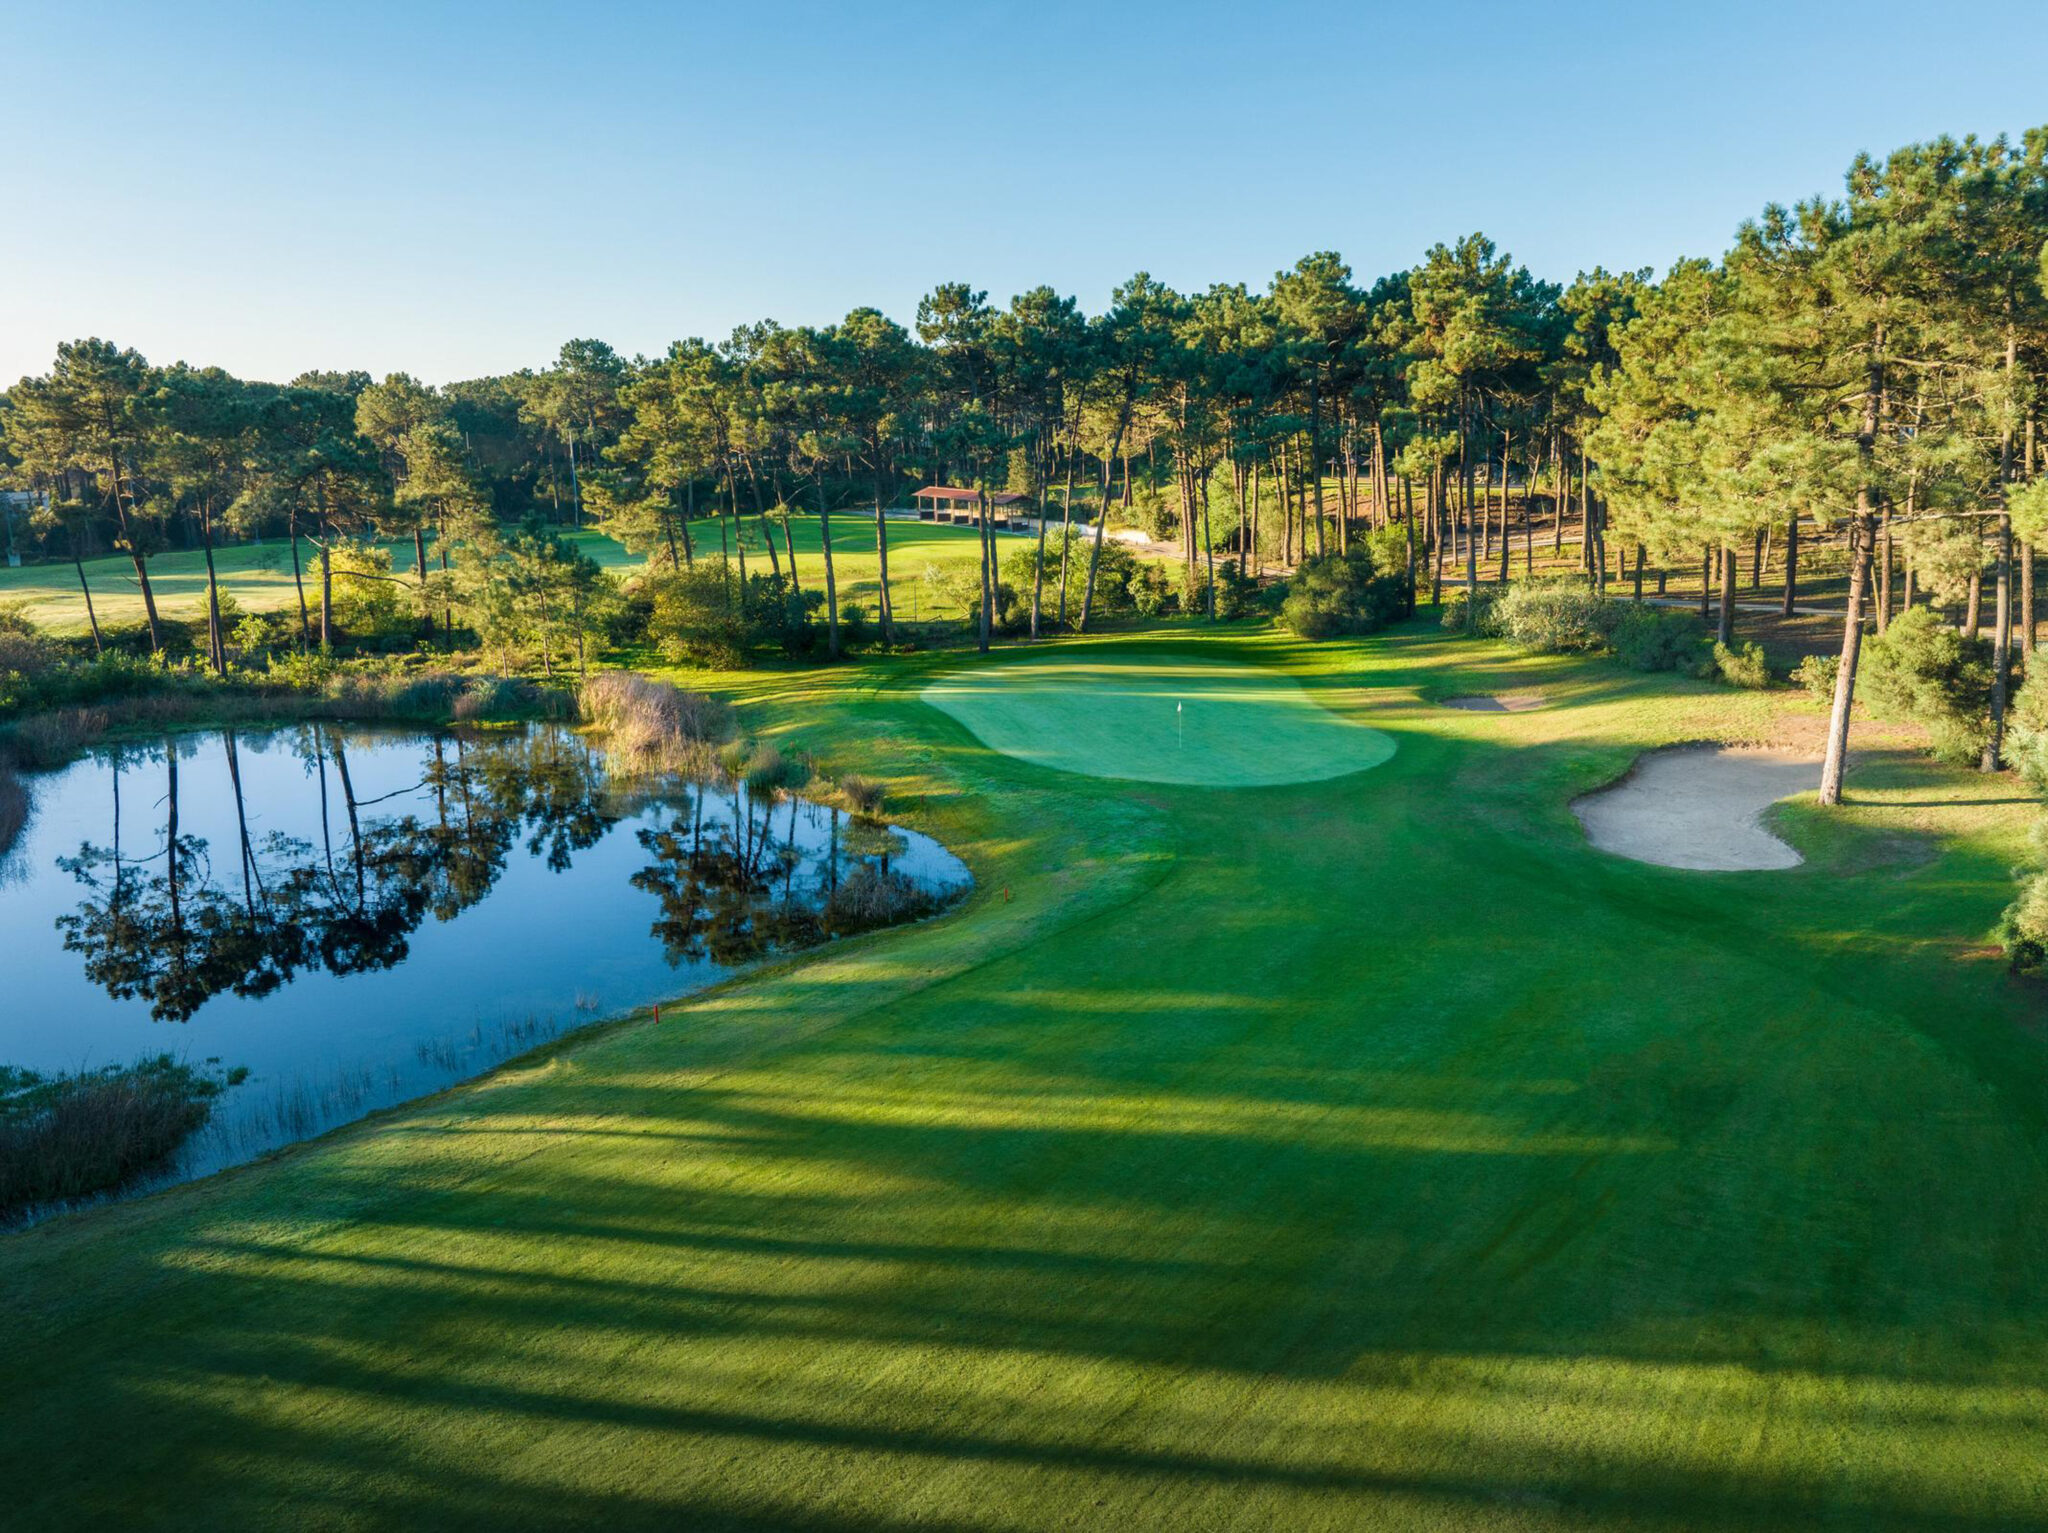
<point x="652" y="726"/>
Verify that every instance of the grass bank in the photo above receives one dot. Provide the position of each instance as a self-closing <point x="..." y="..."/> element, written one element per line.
<point x="1369" y="1152"/>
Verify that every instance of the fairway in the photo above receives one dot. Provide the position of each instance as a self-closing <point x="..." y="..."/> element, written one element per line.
<point x="1168" y="719"/>
<point x="1371" y="1153"/>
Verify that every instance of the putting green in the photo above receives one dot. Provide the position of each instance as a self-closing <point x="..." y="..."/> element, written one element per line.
<point x="1159" y="720"/>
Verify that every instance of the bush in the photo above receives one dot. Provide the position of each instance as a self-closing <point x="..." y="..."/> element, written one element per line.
<point x="863" y="795"/>
<point x="1237" y="594"/>
<point x="1124" y="583"/>
<point x="769" y="771"/>
<point x="853" y="625"/>
<point x="1554" y="617"/>
<point x="1336" y="594"/>
<point x="1483" y="601"/>
<point x="705" y="614"/>
<point x="2023" y="927"/>
<point x="1646" y="638"/>
<point x="1817" y="674"/>
<point x="1921" y="668"/>
<point x="1742" y="666"/>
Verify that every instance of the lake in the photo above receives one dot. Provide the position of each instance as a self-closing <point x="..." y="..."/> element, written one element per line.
<point x="358" y="917"/>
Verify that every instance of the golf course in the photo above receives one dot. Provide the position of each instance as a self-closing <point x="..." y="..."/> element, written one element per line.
<point x="1301" y="1125"/>
<point x="258" y="577"/>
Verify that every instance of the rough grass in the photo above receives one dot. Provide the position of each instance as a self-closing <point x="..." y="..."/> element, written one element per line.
<point x="1370" y="1153"/>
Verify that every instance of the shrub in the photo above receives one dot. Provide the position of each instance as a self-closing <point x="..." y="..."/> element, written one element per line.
<point x="1452" y="613"/>
<point x="2023" y="927"/>
<point x="1742" y="666"/>
<point x="704" y="613"/>
<point x="1923" y="669"/>
<point x="1817" y="674"/>
<point x="1237" y="593"/>
<point x="1564" y="616"/>
<point x="1646" y="638"/>
<point x="769" y="771"/>
<point x="1122" y="581"/>
<point x="863" y="795"/>
<point x="1335" y="594"/>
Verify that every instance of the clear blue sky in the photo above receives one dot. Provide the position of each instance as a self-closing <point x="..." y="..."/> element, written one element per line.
<point x="456" y="189"/>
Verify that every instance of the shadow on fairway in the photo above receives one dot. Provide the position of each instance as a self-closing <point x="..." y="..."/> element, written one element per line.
<point x="1359" y="1153"/>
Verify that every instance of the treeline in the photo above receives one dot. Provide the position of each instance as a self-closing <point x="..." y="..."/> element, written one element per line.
<point x="1865" y="367"/>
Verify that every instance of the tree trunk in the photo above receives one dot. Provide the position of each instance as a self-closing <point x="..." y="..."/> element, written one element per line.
<point x="1066" y="532"/>
<point x="1727" y="627"/>
<point x="2001" y="648"/>
<point x="1101" y="524"/>
<point x="988" y="596"/>
<point x="419" y="562"/>
<point x="1884" y="568"/>
<point x="1791" y="563"/>
<point x="885" y="610"/>
<point x="216" y="647"/>
<point x="2025" y="636"/>
<point x="135" y="554"/>
<point x="1973" y="604"/>
<point x="299" y="582"/>
<point x="91" y="617"/>
<point x="326" y="585"/>
<point x="1862" y="533"/>
<point x="831" y="585"/>
<point x="1208" y="548"/>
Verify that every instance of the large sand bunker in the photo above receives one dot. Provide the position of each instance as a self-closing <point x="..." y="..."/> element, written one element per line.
<point x="1699" y="806"/>
<point x="1152" y="718"/>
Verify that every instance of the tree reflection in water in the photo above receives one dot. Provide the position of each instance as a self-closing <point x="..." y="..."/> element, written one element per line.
<point x="173" y="928"/>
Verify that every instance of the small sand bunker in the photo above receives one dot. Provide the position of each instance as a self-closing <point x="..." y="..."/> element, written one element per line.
<point x="1502" y="702"/>
<point x="1699" y="806"/>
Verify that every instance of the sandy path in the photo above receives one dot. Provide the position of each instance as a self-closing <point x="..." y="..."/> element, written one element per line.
<point x="1699" y="806"/>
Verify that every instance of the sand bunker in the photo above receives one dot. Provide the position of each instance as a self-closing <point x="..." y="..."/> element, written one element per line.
<point x="1699" y="806"/>
<point x="1503" y="702"/>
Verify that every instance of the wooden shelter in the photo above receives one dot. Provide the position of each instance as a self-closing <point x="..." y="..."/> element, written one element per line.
<point x="950" y="503"/>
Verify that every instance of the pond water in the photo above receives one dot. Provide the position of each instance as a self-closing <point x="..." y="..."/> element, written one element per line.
<point x="359" y="917"/>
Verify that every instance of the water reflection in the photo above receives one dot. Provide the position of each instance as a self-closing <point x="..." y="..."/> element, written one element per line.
<point x="161" y="928"/>
<point x="360" y="916"/>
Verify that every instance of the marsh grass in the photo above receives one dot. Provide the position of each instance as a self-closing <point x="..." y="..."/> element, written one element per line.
<point x="76" y="1136"/>
<point x="651" y="726"/>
